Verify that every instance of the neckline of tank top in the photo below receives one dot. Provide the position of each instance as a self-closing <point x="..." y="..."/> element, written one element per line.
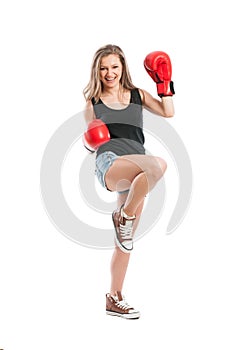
<point x="118" y="109"/>
<point x="115" y="109"/>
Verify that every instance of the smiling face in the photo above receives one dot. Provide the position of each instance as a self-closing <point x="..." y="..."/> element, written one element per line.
<point x="110" y="71"/>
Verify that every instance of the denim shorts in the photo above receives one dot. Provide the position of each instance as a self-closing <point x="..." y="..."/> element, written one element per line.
<point x="103" y="163"/>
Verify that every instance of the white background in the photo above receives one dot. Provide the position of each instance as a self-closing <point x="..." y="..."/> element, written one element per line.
<point x="52" y="291"/>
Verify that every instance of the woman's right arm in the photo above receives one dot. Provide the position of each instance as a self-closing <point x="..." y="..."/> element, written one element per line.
<point x="89" y="113"/>
<point x="97" y="132"/>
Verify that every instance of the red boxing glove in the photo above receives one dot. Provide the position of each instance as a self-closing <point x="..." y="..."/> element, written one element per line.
<point x="158" y="66"/>
<point x="96" y="135"/>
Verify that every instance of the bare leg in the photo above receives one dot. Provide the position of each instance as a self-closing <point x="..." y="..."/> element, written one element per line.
<point x="120" y="260"/>
<point x="139" y="173"/>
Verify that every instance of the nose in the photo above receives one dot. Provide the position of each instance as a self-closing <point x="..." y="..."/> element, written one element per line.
<point x="110" y="72"/>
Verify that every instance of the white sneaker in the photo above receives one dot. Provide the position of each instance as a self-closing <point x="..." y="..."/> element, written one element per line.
<point x="123" y="229"/>
<point x="117" y="306"/>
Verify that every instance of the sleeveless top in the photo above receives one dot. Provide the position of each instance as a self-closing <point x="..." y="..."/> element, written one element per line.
<point x="125" y="126"/>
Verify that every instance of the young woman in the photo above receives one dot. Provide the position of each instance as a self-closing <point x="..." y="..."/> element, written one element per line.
<point x="122" y="164"/>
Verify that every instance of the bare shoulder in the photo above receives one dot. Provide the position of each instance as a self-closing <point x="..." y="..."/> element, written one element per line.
<point x="88" y="105"/>
<point x="147" y="98"/>
<point x="89" y="113"/>
<point x="163" y="107"/>
<point x="144" y="93"/>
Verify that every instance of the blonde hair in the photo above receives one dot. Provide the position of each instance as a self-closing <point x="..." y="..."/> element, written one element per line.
<point x="94" y="87"/>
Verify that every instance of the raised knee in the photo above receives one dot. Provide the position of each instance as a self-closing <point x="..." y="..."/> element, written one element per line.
<point x="157" y="168"/>
<point x="161" y="163"/>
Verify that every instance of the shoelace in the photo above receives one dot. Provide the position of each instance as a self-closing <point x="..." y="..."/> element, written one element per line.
<point x="126" y="230"/>
<point x="123" y="304"/>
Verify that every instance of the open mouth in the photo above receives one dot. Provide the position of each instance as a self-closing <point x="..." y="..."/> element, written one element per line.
<point x="110" y="79"/>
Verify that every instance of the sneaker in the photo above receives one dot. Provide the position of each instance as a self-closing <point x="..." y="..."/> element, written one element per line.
<point x="117" y="306"/>
<point x="123" y="229"/>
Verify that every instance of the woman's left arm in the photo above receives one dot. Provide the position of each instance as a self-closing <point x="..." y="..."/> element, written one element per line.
<point x="164" y="108"/>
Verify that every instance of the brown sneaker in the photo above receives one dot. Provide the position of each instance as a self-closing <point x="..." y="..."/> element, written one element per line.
<point x="117" y="306"/>
<point x="123" y="229"/>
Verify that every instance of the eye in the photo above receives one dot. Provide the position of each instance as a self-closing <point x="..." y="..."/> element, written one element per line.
<point x="102" y="68"/>
<point x="115" y="66"/>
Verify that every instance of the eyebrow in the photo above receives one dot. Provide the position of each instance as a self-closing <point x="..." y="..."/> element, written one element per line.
<point x="115" y="64"/>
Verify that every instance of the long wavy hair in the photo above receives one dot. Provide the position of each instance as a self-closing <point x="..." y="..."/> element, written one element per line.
<point x="94" y="87"/>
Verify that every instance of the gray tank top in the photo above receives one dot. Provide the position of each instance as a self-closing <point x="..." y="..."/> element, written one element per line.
<point x="125" y="126"/>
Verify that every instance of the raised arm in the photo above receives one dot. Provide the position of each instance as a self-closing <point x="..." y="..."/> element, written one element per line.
<point x="164" y="107"/>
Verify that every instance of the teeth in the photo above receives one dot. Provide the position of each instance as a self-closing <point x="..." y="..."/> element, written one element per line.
<point x="110" y="79"/>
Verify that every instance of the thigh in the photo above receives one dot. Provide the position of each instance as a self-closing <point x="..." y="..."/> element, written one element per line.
<point x="125" y="168"/>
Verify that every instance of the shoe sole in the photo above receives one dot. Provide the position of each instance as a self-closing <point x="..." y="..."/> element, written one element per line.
<point x="123" y="249"/>
<point x="126" y="316"/>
